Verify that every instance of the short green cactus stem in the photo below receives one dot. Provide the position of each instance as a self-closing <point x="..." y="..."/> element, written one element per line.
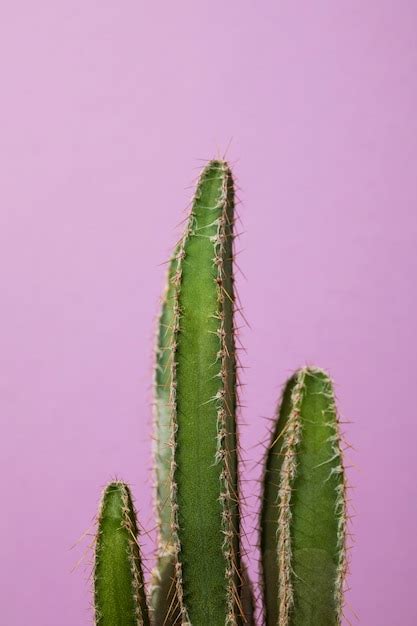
<point x="119" y="594"/>
<point x="204" y="485"/>
<point x="303" y="519"/>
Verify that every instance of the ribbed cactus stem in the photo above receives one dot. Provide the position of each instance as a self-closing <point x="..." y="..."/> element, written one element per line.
<point x="163" y="423"/>
<point x="119" y="594"/>
<point x="303" y="520"/>
<point x="204" y="486"/>
<point x="163" y="587"/>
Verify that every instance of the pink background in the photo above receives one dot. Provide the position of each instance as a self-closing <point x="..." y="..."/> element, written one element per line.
<point x="108" y="109"/>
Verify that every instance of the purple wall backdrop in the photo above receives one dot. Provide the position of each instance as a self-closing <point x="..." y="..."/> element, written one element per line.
<point x="108" y="110"/>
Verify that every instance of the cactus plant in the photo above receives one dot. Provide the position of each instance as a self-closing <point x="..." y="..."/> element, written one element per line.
<point x="119" y="593"/>
<point x="203" y="485"/>
<point x="303" y="518"/>
<point x="199" y="577"/>
<point x="163" y="588"/>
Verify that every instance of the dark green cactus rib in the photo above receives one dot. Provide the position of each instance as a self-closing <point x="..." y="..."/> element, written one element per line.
<point x="202" y="399"/>
<point x="303" y="519"/>
<point x="119" y="594"/>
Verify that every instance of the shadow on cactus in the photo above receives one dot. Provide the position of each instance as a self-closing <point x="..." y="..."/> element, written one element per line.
<point x="200" y="578"/>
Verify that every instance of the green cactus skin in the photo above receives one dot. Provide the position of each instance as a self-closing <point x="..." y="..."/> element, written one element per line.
<point x="119" y="593"/>
<point x="303" y="518"/>
<point x="204" y="486"/>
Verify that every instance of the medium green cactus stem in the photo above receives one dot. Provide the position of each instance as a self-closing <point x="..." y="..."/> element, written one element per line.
<point x="303" y="519"/>
<point x="202" y="398"/>
<point x="119" y="594"/>
<point x="163" y="424"/>
<point x="163" y="591"/>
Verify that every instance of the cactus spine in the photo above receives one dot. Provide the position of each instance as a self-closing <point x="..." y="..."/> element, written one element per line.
<point x="204" y="500"/>
<point x="303" y="519"/>
<point x="119" y="594"/>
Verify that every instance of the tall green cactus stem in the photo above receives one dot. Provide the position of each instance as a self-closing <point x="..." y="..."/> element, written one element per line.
<point x="303" y="519"/>
<point x="204" y="485"/>
<point x="119" y="593"/>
